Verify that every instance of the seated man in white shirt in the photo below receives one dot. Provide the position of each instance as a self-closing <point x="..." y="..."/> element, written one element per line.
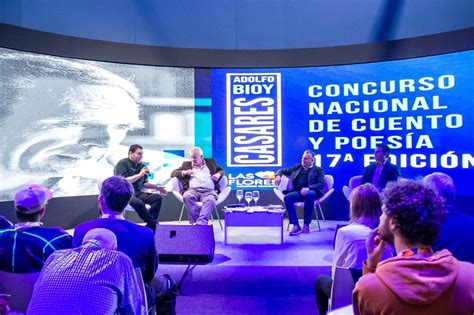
<point x="200" y="181"/>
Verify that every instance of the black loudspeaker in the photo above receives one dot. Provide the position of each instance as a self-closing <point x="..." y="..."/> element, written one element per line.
<point x="187" y="244"/>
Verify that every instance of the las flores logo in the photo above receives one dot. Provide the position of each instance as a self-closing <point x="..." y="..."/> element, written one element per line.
<point x="252" y="180"/>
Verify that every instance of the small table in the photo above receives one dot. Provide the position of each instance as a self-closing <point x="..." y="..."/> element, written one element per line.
<point x="239" y="218"/>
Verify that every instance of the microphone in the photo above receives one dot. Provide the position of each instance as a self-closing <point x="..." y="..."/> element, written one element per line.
<point x="145" y="165"/>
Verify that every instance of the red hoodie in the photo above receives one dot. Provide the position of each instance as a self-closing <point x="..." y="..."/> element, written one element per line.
<point x="437" y="284"/>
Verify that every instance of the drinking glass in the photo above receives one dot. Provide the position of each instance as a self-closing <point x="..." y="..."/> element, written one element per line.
<point x="239" y="194"/>
<point x="255" y="196"/>
<point x="248" y="197"/>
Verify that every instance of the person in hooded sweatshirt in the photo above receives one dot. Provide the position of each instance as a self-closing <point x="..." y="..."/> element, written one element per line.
<point x="417" y="280"/>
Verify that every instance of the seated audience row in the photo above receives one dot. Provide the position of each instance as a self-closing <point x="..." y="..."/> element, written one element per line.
<point x="411" y="218"/>
<point x="25" y="246"/>
<point x="426" y="222"/>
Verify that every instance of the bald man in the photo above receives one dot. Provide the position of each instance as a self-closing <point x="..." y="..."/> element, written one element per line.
<point x="94" y="272"/>
<point x="104" y="236"/>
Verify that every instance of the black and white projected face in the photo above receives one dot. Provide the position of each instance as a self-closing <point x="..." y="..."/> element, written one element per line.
<point x="64" y="122"/>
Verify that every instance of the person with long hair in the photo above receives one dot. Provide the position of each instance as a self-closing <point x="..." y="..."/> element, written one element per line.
<point x="349" y="249"/>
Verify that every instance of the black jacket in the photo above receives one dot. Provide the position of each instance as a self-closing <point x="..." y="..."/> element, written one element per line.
<point x="389" y="173"/>
<point x="315" y="176"/>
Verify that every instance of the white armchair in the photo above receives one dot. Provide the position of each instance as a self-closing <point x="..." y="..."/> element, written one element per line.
<point x="342" y="286"/>
<point x="327" y="191"/>
<point x="174" y="185"/>
<point x="354" y="181"/>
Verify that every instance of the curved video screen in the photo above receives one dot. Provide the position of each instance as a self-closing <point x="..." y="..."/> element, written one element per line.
<point x="65" y="123"/>
<point x="264" y="119"/>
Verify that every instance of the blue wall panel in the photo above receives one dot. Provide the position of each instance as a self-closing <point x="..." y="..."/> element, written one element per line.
<point x="105" y="20"/>
<point x="187" y="24"/>
<point x="240" y="24"/>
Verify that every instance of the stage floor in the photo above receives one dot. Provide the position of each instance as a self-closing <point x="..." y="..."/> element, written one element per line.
<point x="256" y="278"/>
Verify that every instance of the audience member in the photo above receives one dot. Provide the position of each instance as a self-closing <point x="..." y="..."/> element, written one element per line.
<point x="382" y="171"/>
<point x="136" y="241"/>
<point x="91" y="279"/>
<point x="200" y="181"/>
<point x="25" y="246"/>
<point x="417" y="280"/>
<point x="307" y="182"/>
<point x="136" y="173"/>
<point x="457" y="232"/>
<point x="350" y="251"/>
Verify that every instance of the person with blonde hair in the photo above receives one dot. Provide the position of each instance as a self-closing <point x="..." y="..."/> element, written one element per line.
<point x="350" y="250"/>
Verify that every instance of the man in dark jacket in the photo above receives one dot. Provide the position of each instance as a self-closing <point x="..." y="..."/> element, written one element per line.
<point x="200" y="181"/>
<point x="307" y="182"/>
<point x="136" y="241"/>
<point x="381" y="172"/>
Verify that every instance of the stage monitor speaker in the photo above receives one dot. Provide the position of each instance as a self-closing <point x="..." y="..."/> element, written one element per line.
<point x="186" y="244"/>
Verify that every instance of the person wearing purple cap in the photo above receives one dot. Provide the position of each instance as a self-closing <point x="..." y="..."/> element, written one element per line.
<point x="25" y="246"/>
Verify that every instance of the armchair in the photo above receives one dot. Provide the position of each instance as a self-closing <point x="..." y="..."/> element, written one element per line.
<point x="354" y="181"/>
<point x="328" y="190"/>
<point x="342" y="285"/>
<point x="175" y="187"/>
